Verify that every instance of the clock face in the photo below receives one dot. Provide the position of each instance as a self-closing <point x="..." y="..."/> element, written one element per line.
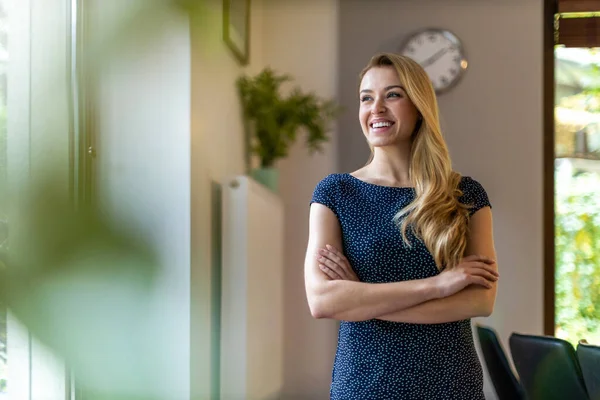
<point x="441" y="55"/>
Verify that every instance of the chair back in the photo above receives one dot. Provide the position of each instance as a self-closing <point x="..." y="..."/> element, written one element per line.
<point x="548" y="368"/>
<point x="505" y="382"/>
<point x="589" y="359"/>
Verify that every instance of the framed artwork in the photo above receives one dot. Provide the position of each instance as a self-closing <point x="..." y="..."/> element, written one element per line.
<point x="236" y="28"/>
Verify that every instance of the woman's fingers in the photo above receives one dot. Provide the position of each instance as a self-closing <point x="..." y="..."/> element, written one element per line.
<point x="330" y="272"/>
<point x="478" y="280"/>
<point x="486" y="267"/>
<point x="483" y="273"/>
<point x="331" y="255"/>
<point x="334" y="265"/>
<point x="336" y="252"/>
<point x="335" y="260"/>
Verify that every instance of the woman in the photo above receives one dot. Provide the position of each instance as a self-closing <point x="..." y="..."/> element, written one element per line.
<point x="401" y="251"/>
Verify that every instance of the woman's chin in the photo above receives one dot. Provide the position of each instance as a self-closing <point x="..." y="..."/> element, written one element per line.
<point x="390" y="140"/>
<point x="382" y="141"/>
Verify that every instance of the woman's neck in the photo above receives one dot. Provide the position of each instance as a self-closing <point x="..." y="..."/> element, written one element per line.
<point x="391" y="165"/>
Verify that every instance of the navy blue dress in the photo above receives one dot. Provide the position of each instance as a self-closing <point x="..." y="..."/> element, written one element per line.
<point x="378" y="359"/>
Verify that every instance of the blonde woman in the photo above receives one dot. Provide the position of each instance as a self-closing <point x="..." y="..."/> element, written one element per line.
<point x="401" y="251"/>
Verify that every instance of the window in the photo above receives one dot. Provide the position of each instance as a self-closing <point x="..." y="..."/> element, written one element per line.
<point x="577" y="184"/>
<point x="572" y="169"/>
<point x="35" y="126"/>
<point x="3" y="185"/>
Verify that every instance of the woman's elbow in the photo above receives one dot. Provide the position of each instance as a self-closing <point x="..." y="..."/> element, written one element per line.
<point x="317" y="313"/>
<point x="318" y="308"/>
<point x="486" y="307"/>
<point x="486" y="310"/>
<point x="320" y="300"/>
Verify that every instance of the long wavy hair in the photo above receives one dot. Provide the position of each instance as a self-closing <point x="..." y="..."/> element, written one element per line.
<point x="435" y="216"/>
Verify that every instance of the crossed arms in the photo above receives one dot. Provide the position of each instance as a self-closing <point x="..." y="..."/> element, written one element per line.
<point x="333" y="291"/>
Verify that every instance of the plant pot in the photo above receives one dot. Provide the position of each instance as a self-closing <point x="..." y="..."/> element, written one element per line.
<point x="268" y="177"/>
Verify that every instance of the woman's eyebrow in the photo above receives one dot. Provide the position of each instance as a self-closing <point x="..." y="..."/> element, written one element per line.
<point x="386" y="88"/>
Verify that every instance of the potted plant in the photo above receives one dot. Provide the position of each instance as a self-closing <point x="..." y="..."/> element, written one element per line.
<point x="274" y="121"/>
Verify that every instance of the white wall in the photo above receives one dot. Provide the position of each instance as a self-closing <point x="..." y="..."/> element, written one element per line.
<point x="492" y="121"/>
<point x="301" y="38"/>
<point x="170" y="127"/>
<point x="143" y="162"/>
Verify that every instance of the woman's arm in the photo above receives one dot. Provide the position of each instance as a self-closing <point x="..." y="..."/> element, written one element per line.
<point x="462" y="305"/>
<point x="474" y="301"/>
<point x="356" y="301"/>
<point x="350" y="300"/>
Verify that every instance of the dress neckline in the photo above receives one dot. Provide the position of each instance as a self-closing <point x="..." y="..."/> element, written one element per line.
<point x="376" y="185"/>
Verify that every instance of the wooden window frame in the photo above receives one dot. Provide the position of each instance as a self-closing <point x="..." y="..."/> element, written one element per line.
<point x="549" y="258"/>
<point x="574" y="6"/>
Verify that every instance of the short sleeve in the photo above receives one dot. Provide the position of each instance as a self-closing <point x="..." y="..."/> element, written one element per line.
<point x="474" y="195"/>
<point x="326" y="192"/>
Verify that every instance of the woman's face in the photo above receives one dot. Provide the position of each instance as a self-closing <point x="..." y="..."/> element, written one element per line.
<point x="386" y="114"/>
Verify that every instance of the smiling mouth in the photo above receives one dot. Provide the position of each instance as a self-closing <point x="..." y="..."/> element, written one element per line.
<point x="383" y="124"/>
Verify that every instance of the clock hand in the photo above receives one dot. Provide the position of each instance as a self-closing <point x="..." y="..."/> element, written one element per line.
<point x="434" y="57"/>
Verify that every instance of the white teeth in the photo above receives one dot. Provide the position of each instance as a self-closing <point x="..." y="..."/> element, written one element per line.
<point x="381" y="124"/>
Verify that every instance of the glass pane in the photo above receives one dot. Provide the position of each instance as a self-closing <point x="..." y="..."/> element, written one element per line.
<point x="577" y="184"/>
<point x="3" y="184"/>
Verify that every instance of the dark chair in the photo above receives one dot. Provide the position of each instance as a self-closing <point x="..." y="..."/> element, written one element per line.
<point x="548" y="368"/>
<point x="505" y="383"/>
<point x="589" y="359"/>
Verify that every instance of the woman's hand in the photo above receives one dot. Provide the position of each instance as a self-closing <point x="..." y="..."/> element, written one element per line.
<point x="335" y="265"/>
<point x="472" y="270"/>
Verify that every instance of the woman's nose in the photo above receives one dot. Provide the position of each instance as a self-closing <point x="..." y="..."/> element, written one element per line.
<point x="378" y="107"/>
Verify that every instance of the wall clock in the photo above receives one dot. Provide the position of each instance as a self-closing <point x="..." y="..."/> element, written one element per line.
<point x="440" y="53"/>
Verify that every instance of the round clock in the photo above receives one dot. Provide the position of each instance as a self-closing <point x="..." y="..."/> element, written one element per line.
<point x="440" y="53"/>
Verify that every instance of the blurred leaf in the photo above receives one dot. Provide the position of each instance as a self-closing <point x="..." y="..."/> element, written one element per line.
<point x="84" y="288"/>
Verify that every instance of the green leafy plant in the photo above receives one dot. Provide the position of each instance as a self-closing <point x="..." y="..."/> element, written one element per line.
<point x="275" y="121"/>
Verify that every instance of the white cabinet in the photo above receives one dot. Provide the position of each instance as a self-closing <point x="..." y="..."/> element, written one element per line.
<point x="252" y="291"/>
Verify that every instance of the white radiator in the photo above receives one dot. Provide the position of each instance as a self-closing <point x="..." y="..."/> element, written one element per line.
<point x="251" y="291"/>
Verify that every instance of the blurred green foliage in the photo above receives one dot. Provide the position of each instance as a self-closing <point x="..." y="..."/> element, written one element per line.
<point x="83" y="283"/>
<point x="578" y="258"/>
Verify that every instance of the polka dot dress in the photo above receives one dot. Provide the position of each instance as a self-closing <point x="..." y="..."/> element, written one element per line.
<point x="389" y="360"/>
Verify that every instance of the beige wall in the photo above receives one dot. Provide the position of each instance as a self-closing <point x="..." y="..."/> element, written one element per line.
<point x="301" y="38"/>
<point x="492" y="121"/>
<point x="217" y="146"/>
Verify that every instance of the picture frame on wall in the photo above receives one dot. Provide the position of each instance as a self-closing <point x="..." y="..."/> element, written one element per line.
<point x="236" y="28"/>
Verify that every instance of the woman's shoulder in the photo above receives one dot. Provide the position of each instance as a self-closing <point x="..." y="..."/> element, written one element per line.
<point x="338" y="183"/>
<point x="326" y="191"/>
<point x="470" y="184"/>
<point x="329" y="183"/>
<point x="473" y="193"/>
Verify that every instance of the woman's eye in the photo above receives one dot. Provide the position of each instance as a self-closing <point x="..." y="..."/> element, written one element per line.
<point x="365" y="98"/>
<point x="394" y="94"/>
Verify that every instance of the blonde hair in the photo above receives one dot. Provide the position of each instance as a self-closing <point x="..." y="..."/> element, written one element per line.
<point x="435" y="215"/>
